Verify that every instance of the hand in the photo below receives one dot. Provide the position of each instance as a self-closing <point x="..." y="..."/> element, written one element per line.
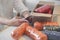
<point x="16" y="22"/>
<point x="26" y="14"/>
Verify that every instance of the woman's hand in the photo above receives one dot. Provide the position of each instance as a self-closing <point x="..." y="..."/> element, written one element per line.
<point x="16" y="22"/>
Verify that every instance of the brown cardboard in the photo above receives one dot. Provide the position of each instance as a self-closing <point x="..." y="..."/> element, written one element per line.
<point x="44" y="2"/>
<point x="58" y="20"/>
<point x="56" y="9"/>
<point x="41" y="14"/>
<point x="56" y="14"/>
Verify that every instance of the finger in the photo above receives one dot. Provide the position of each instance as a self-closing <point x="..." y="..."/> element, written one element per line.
<point x="16" y="17"/>
<point x="23" y="20"/>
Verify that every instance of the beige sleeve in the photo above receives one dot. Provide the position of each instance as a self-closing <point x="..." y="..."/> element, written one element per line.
<point x="19" y="6"/>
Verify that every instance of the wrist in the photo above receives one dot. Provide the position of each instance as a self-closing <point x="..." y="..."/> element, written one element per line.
<point x="4" y="21"/>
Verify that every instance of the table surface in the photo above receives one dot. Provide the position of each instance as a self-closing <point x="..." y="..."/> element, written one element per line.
<point x="6" y="34"/>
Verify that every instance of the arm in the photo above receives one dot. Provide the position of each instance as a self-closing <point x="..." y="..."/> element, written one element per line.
<point x="4" y="21"/>
<point x="20" y="7"/>
<point x="11" y="22"/>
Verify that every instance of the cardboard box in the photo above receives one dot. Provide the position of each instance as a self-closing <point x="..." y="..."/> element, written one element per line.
<point x="43" y="16"/>
<point x="55" y="16"/>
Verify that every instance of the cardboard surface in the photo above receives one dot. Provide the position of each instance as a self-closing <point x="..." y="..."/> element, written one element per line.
<point x="41" y="14"/>
<point x="56" y="9"/>
<point x="56" y="14"/>
<point x="58" y="20"/>
<point x="45" y="2"/>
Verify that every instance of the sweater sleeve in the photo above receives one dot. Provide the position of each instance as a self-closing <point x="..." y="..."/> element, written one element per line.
<point x="19" y="6"/>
